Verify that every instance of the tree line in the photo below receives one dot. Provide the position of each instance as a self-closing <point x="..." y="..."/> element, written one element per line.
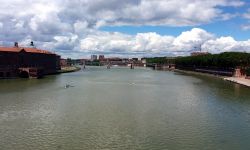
<point x="160" y="60"/>
<point x="227" y="60"/>
<point x="223" y="61"/>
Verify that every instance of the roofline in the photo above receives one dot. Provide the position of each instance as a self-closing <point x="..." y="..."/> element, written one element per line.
<point x="19" y="49"/>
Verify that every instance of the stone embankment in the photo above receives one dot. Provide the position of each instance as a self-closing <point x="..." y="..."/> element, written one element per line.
<point x="242" y="80"/>
<point x="69" y="69"/>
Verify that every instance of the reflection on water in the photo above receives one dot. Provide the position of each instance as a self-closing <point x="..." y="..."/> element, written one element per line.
<point x="120" y="108"/>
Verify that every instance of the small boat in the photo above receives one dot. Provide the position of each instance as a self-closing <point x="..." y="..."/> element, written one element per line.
<point x="68" y="86"/>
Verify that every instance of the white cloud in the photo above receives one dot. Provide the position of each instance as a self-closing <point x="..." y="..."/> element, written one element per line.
<point x="247" y="14"/>
<point x="245" y="27"/>
<point x="80" y="27"/>
<point x="72" y="26"/>
<point x="116" y="12"/>
<point x="152" y="42"/>
<point x="219" y="45"/>
<point x="191" y="39"/>
<point x="153" y="12"/>
<point x="106" y="42"/>
<point x="155" y="44"/>
<point x="223" y="44"/>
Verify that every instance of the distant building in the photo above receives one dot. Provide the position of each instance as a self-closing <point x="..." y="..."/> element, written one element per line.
<point x="63" y="62"/>
<point x="81" y="61"/>
<point x="199" y="53"/>
<point x="70" y="62"/>
<point x="115" y="60"/>
<point x="78" y="61"/>
<point x="144" y="60"/>
<point x="93" y="57"/>
<point x="27" y="62"/>
<point x="135" y="59"/>
<point x="125" y="60"/>
<point x="101" y="57"/>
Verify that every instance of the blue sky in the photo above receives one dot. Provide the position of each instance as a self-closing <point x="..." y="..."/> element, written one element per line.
<point x="220" y="28"/>
<point x="231" y="27"/>
<point x="127" y="28"/>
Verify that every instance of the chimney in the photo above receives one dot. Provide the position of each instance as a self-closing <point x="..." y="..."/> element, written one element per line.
<point x="31" y="43"/>
<point x="16" y="44"/>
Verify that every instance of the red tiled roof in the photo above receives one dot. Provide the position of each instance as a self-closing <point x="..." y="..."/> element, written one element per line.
<point x="26" y="49"/>
<point x="10" y="49"/>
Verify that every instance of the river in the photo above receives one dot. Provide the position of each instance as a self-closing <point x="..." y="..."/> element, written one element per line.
<point x="120" y="108"/>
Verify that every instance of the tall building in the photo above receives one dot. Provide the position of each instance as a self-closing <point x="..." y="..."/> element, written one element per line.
<point x="135" y="59"/>
<point x="144" y="60"/>
<point x="93" y="57"/>
<point x="101" y="57"/>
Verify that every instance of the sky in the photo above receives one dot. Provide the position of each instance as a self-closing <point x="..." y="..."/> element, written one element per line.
<point x="127" y="28"/>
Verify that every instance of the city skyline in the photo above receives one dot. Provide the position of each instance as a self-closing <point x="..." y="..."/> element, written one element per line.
<point x="129" y="28"/>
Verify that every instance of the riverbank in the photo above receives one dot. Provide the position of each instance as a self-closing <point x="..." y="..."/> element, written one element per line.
<point x="69" y="69"/>
<point x="241" y="81"/>
<point x="199" y="73"/>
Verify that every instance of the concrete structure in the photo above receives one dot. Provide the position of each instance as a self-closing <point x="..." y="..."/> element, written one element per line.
<point x="14" y="61"/>
<point x="112" y="61"/>
<point x="242" y="80"/>
<point x="135" y="59"/>
<point x="238" y="72"/>
<point x="63" y="62"/>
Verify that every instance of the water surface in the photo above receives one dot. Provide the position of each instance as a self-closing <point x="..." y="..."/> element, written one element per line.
<point x="121" y="108"/>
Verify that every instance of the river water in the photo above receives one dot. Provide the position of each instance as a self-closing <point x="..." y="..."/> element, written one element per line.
<point x="122" y="108"/>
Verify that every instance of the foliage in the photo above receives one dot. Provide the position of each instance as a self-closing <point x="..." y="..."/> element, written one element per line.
<point x="93" y="63"/>
<point x="226" y="60"/>
<point x="248" y="71"/>
<point x="160" y="60"/>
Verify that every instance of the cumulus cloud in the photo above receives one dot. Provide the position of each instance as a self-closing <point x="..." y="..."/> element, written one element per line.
<point x="72" y="26"/>
<point x="223" y="44"/>
<point x="105" y="42"/>
<point x="147" y="44"/>
<point x="245" y="27"/>
<point x="190" y="39"/>
<point x="247" y="14"/>
<point x="150" y="12"/>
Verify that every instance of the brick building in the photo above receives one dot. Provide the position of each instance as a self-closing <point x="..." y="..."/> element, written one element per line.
<point x="27" y="62"/>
